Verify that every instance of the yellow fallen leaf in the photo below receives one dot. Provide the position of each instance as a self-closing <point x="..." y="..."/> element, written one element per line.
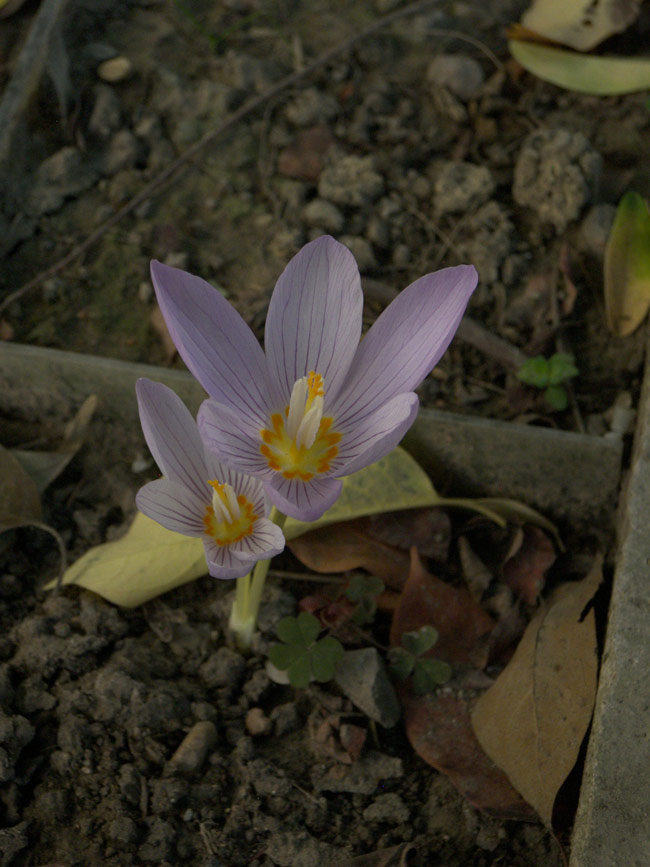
<point x="581" y="24"/>
<point x="395" y="482"/>
<point x="147" y="561"/>
<point x="584" y="73"/>
<point x="532" y="721"/>
<point x="627" y="266"/>
<point x="150" y="560"/>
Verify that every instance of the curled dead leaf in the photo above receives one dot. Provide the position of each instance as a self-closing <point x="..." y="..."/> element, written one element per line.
<point x="532" y="721"/>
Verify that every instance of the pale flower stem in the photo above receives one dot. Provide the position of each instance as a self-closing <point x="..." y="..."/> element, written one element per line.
<point x="248" y="595"/>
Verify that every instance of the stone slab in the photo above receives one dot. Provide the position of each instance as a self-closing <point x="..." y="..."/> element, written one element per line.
<point x="570" y="477"/>
<point x="612" y="827"/>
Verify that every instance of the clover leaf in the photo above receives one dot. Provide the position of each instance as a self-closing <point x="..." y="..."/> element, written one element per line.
<point x="408" y="660"/>
<point x="549" y="374"/>
<point x="534" y="371"/>
<point x="363" y="591"/>
<point x="301" y="655"/>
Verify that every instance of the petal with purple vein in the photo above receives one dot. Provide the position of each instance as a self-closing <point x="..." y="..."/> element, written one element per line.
<point x="405" y="342"/>
<point x="314" y="317"/>
<point x="232" y="439"/>
<point x="305" y="501"/>
<point x="214" y="342"/>
<point x="172" y="505"/>
<point x="172" y="436"/>
<point x="377" y="434"/>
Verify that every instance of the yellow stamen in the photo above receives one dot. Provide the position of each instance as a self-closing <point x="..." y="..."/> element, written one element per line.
<point x="230" y="517"/>
<point x="301" y="444"/>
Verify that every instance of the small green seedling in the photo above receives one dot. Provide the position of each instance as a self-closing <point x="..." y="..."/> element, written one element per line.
<point x="407" y="660"/>
<point x="363" y="591"/>
<point x="301" y="655"/>
<point x="550" y="374"/>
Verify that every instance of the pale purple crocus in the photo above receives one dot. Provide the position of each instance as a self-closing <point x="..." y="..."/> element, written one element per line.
<point x="198" y="495"/>
<point x="317" y="404"/>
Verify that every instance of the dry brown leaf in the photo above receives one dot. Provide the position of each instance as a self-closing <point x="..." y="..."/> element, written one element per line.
<point x="428" y="601"/>
<point x="344" y="546"/>
<point x="569" y="289"/>
<point x="378" y="543"/>
<point x="526" y="568"/>
<point x="20" y="502"/>
<point x="439" y="729"/>
<point x="531" y="723"/>
<point x="477" y="575"/>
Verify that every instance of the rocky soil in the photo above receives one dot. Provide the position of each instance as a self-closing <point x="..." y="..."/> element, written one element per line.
<point x="140" y="737"/>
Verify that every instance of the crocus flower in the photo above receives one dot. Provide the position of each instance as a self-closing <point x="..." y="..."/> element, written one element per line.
<point x="317" y="405"/>
<point x="198" y="495"/>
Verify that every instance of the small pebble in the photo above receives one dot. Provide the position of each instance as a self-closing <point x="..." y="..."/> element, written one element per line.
<point x="257" y="722"/>
<point x="114" y="70"/>
<point x="462" y="75"/>
<point x="194" y="748"/>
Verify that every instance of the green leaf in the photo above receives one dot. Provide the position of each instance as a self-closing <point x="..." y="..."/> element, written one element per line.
<point x="400" y="662"/>
<point x="627" y="266"/>
<point x="284" y="655"/>
<point x="299" y="672"/>
<point x="428" y="674"/>
<point x="302" y="657"/>
<point x="147" y="561"/>
<point x="557" y="397"/>
<point x="534" y="371"/>
<point x="363" y="587"/>
<point x="583" y="73"/>
<point x="288" y="630"/>
<point x="561" y="367"/>
<point x="394" y="482"/>
<point x="309" y="627"/>
<point x="420" y="640"/>
<point x="325" y="657"/>
<point x="364" y="612"/>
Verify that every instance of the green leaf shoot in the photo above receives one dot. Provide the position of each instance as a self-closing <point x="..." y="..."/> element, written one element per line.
<point x="408" y="660"/>
<point x="420" y="640"/>
<point x="400" y="662"/>
<point x="556" y="397"/>
<point x="534" y="371"/>
<point x="428" y="674"/>
<point x="301" y="655"/>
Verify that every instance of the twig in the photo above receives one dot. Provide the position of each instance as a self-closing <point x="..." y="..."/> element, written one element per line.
<point x="469" y="330"/>
<point x="463" y="37"/>
<point x="181" y="163"/>
<point x="490" y="344"/>
<point x="306" y="576"/>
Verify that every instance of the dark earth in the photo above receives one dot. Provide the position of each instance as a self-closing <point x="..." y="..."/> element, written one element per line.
<point x="139" y="736"/>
